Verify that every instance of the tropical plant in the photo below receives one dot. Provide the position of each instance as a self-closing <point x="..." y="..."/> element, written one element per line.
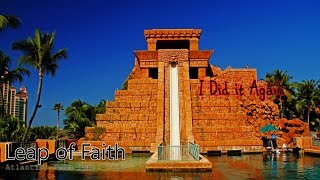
<point x="7" y="21"/>
<point x="308" y="94"/>
<point x="58" y="107"/>
<point x="8" y="76"/>
<point x="101" y="107"/>
<point x="42" y="132"/>
<point x="125" y="84"/>
<point x="11" y="129"/>
<point x="79" y="115"/>
<point x="281" y="79"/>
<point x="38" y="53"/>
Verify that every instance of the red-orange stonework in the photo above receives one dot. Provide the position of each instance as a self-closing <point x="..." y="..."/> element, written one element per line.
<point x="214" y="112"/>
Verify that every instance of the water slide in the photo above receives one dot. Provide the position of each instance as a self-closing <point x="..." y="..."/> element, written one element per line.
<point x="174" y="112"/>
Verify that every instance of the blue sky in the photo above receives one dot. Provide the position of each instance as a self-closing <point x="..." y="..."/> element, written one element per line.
<point x="102" y="35"/>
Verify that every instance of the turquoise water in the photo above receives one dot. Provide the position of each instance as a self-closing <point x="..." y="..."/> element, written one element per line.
<point x="267" y="166"/>
<point x="258" y="166"/>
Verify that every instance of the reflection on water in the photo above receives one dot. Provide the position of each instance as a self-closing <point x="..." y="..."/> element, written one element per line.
<point x="258" y="166"/>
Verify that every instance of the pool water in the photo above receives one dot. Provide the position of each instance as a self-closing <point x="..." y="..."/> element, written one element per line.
<point x="257" y="166"/>
<point x="266" y="166"/>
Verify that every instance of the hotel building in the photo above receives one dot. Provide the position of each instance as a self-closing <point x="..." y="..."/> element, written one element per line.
<point x="15" y="102"/>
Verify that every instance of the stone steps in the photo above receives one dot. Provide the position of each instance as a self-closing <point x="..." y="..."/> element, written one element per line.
<point x="143" y="81"/>
<point x="127" y="124"/>
<point x="134" y="112"/>
<point x="129" y="104"/>
<point x="135" y="98"/>
<point x="138" y="87"/>
<point x="243" y="142"/>
<point x="124" y="143"/>
<point x="220" y="109"/>
<point x="125" y="111"/>
<point x="213" y="102"/>
<point x="137" y="92"/>
<point x="125" y="117"/>
<point x="218" y="115"/>
<point x="215" y="122"/>
<point x="222" y="129"/>
<point x="222" y="136"/>
<point x="122" y="133"/>
<point x="131" y="130"/>
<point x="223" y="132"/>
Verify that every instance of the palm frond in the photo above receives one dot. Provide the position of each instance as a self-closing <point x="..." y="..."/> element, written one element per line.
<point x="300" y="105"/>
<point x="288" y="95"/>
<point x="61" y="54"/>
<point x="7" y="21"/>
<point x="37" y="52"/>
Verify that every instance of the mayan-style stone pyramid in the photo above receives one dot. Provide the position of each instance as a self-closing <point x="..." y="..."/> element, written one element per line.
<point x="206" y="107"/>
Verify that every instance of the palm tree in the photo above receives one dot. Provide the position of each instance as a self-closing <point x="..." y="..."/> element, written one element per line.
<point x="281" y="79"/>
<point x="7" y="21"/>
<point x="42" y="132"/>
<point x="79" y="115"/>
<point x="38" y="53"/>
<point x="9" y="76"/>
<point x="58" y="107"/>
<point x="11" y="129"/>
<point x="308" y="95"/>
<point x="101" y="107"/>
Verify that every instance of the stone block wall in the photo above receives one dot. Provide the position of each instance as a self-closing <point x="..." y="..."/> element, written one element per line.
<point x="130" y="119"/>
<point x="219" y="120"/>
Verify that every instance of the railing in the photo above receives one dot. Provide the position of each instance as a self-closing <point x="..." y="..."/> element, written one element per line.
<point x="315" y="142"/>
<point x="160" y="151"/>
<point x="24" y="145"/>
<point x="173" y="152"/>
<point x="194" y="150"/>
<point x="178" y="152"/>
<point x="61" y="143"/>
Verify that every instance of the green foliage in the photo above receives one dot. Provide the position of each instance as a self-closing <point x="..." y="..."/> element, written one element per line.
<point x="7" y="21"/>
<point x="101" y="107"/>
<point x="301" y="100"/>
<point x="97" y="133"/>
<point x="281" y="79"/>
<point x="42" y="132"/>
<point x="58" y="107"/>
<point x="125" y="85"/>
<point x="38" y="53"/>
<point x="308" y="98"/>
<point x="11" y="129"/>
<point x="7" y="75"/>
<point x="80" y="115"/>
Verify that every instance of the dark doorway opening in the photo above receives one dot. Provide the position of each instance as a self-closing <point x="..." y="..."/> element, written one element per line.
<point x="209" y="71"/>
<point x="153" y="73"/>
<point x="173" y="44"/>
<point x="193" y="73"/>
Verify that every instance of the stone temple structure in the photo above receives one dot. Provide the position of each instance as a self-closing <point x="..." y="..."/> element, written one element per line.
<point x="174" y="96"/>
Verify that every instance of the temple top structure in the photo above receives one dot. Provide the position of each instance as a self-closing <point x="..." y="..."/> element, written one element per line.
<point x="172" y="33"/>
<point x="172" y="38"/>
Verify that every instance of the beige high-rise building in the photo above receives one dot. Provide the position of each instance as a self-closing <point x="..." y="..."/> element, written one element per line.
<point x="15" y="103"/>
